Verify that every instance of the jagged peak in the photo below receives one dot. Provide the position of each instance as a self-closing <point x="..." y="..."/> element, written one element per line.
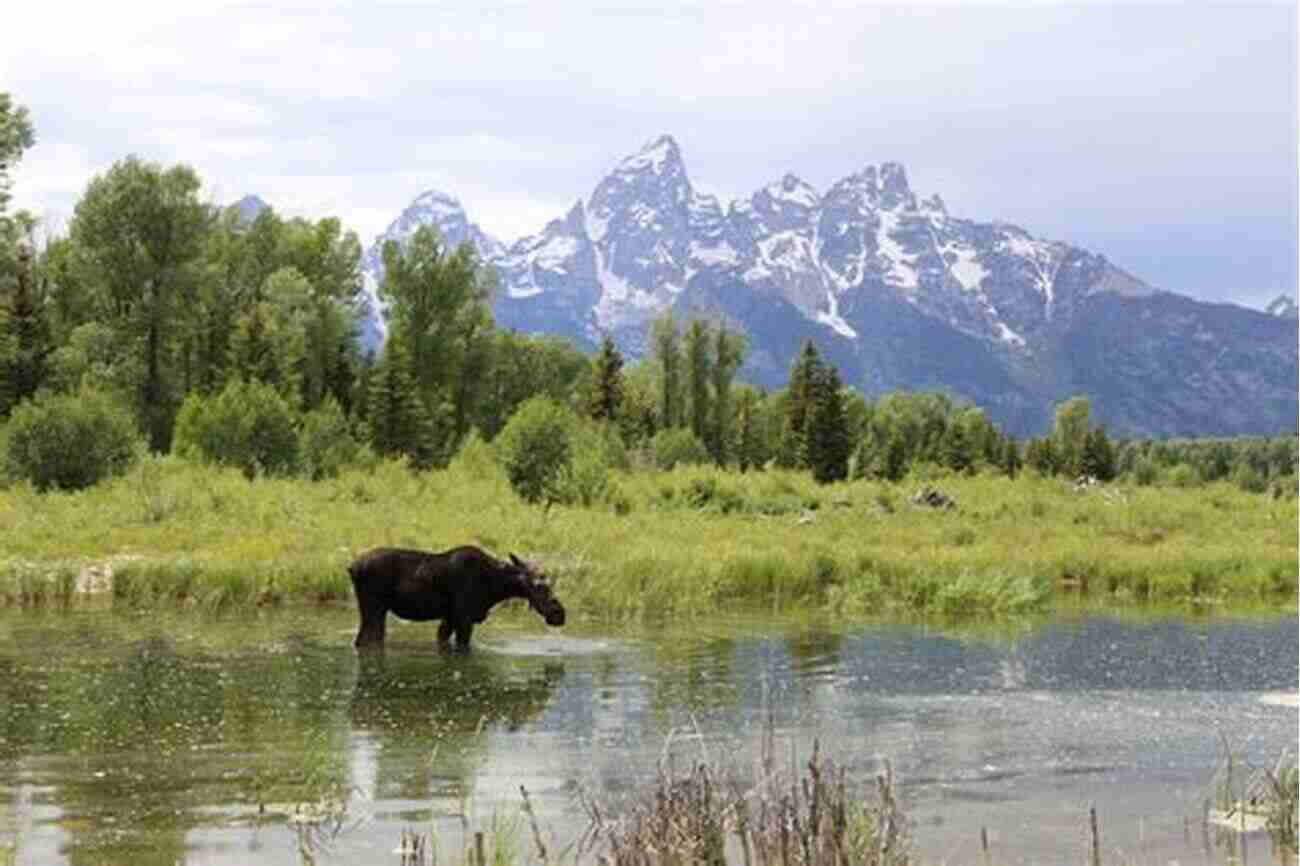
<point x="1283" y="306"/>
<point x="437" y="200"/>
<point x="657" y="154"/>
<point x="791" y="188"/>
<point x="894" y="190"/>
<point x="934" y="204"/>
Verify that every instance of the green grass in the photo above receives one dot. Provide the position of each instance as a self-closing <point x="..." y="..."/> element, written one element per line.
<point x="681" y="542"/>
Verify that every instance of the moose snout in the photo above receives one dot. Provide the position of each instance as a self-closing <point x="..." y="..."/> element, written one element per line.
<point x="555" y="616"/>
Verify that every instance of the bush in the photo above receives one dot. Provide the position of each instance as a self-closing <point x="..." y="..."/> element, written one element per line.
<point x="1183" y="475"/>
<point x="536" y="449"/>
<point x="1145" y="472"/>
<point x="69" y="441"/>
<point x="1249" y="479"/>
<point x="675" y="446"/>
<point x="248" y="426"/>
<point x="475" y="458"/>
<point x="585" y="480"/>
<point x="325" y="443"/>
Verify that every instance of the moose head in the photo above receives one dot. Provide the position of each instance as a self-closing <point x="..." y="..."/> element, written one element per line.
<point x="536" y="587"/>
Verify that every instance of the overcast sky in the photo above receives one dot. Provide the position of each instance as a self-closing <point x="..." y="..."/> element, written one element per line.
<point x="1162" y="136"/>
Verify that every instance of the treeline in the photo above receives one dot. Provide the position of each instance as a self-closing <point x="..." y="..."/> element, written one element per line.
<point x="162" y="322"/>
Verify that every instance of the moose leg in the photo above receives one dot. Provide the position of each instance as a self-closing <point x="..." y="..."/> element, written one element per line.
<point x="374" y="617"/>
<point x="463" y="632"/>
<point x="444" y="633"/>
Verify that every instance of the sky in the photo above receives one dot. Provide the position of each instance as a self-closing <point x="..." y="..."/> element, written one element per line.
<point x="1161" y="135"/>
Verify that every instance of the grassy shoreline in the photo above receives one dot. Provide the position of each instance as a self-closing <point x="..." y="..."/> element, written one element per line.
<point x="677" y="543"/>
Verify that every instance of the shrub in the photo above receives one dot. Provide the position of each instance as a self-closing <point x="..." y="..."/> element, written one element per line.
<point x="248" y="426"/>
<point x="69" y="441"/>
<point x="1145" y="472"/>
<point x="585" y="479"/>
<point x="325" y="442"/>
<point x="536" y="449"/>
<point x="1183" y="475"/>
<point x="475" y="459"/>
<point x="1249" y="479"/>
<point x="677" y="445"/>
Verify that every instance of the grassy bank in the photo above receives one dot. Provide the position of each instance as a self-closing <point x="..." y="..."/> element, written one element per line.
<point x="679" y="542"/>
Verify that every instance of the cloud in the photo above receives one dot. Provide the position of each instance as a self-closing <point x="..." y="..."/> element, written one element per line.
<point x="1127" y="128"/>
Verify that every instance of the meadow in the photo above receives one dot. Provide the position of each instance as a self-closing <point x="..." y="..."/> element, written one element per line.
<point x="677" y="543"/>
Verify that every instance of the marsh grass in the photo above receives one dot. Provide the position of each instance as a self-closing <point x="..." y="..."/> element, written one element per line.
<point x="1245" y="797"/>
<point x="663" y="544"/>
<point x="790" y="816"/>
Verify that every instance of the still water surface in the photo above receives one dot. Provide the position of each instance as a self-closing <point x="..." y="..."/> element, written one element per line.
<point x="130" y="739"/>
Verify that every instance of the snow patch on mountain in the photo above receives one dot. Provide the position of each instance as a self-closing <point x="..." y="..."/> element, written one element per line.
<point x="963" y="263"/>
<point x="832" y="318"/>
<point x="898" y="266"/>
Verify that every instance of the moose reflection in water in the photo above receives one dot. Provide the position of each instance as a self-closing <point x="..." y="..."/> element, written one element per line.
<point x="429" y="715"/>
<point x="458" y="586"/>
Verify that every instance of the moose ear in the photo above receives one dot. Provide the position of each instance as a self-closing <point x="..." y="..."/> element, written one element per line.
<point x="515" y="560"/>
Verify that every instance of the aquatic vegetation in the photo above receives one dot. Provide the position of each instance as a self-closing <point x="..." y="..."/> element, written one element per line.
<point x="788" y="816"/>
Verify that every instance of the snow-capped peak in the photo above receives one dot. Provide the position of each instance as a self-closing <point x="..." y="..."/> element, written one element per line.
<point x="894" y="191"/>
<point x="1283" y="306"/>
<point x="657" y="154"/>
<point x="437" y="201"/>
<point x="790" y="189"/>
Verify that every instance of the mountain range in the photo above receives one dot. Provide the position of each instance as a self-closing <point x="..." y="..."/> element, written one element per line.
<point x="897" y="292"/>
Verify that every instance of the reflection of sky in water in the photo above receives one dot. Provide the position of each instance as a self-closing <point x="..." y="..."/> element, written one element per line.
<point x="1016" y="735"/>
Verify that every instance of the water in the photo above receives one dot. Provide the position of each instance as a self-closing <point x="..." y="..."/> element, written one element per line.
<point x="178" y="739"/>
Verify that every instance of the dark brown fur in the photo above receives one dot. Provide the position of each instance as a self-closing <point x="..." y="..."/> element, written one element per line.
<point x="458" y="586"/>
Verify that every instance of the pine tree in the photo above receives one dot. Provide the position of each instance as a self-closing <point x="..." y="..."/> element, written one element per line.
<point x="398" y="421"/>
<point x="749" y="441"/>
<point x="957" y="450"/>
<point x="792" y="448"/>
<point x="1098" y="458"/>
<point x="607" y="389"/>
<point x="827" y="438"/>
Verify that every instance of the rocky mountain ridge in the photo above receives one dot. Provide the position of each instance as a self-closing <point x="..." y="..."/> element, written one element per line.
<point x="895" y="290"/>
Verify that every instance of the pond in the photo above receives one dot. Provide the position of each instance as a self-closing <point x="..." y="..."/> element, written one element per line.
<point x="163" y="739"/>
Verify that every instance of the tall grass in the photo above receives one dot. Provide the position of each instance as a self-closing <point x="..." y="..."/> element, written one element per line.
<point x="682" y="542"/>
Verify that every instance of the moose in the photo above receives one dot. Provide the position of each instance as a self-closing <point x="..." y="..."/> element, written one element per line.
<point x="458" y="586"/>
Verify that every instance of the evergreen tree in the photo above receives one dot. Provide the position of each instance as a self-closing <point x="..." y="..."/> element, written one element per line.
<point x="398" y="420"/>
<point x="792" y="448"/>
<point x="957" y="450"/>
<point x="607" y="389"/>
<point x="826" y="440"/>
<point x="749" y="452"/>
<point x="1098" y="459"/>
